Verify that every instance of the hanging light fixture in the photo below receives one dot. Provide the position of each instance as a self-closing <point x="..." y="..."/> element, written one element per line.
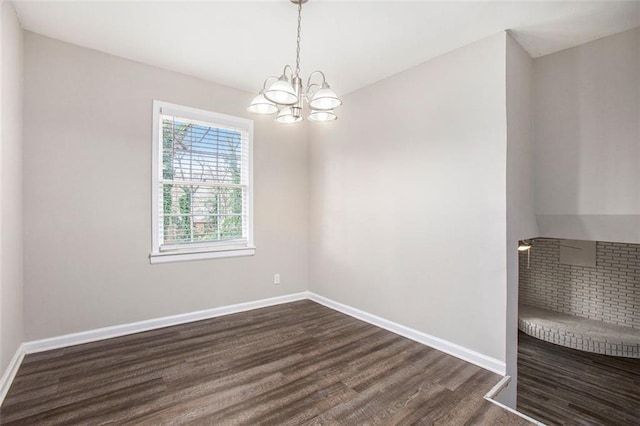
<point x="525" y="246"/>
<point x="286" y="94"/>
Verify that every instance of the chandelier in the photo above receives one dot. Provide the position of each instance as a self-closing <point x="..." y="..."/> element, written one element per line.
<point x="286" y="95"/>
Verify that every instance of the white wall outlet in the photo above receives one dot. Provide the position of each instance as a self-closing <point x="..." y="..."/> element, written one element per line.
<point x="276" y="279"/>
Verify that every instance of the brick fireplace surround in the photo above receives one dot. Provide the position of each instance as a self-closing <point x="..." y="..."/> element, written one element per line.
<point x="592" y="309"/>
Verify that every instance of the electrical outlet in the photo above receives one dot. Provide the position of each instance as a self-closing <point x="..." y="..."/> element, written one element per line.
<point x="276" y="279"/>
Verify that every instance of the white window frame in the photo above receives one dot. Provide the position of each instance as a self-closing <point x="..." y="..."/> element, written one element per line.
<point x="196" y="251"/>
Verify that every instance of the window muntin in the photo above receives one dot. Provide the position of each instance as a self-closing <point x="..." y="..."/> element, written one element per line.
<point x="202" y="181"/>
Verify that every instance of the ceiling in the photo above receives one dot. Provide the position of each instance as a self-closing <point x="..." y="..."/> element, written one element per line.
<point x="240" y="43"/>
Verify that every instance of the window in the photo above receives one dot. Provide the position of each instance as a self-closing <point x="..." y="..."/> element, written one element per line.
<point x="202" y="184"/>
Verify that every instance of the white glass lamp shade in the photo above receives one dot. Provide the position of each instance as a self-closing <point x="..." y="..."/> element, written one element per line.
<point x="281" y="92"/>
<point x="524" y="246"/>
<point x="328" y="115"/>
<point x="262" y="105"/>
<point x="324" y="99"/>
<point x="286" y="116"/>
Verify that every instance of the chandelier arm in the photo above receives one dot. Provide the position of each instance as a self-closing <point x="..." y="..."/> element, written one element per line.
<point x="284" y="71"/>
<point x="264" y="85"/>
<point x="298" y="39"/>
<point x="324" y="79"/>
<point x="308" y="90"/>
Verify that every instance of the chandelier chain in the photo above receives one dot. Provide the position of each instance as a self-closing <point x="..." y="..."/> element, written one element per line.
<point x="298" y="39"/>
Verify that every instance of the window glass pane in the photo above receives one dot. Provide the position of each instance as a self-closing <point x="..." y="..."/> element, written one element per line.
<point x="201" y="153"/>
<point x="193" y="213"/>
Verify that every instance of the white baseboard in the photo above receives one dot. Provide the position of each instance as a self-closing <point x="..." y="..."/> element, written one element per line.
<point x="66" y="340"/>
<point x="152" y="324"/>
<point x="496" y="390"/>
<point x="517" y="413"/>
<point x="458" y="351"/>
<point x="10" y="372"/>
<point x="450" y="348"/>
<point x="445" y="346"/>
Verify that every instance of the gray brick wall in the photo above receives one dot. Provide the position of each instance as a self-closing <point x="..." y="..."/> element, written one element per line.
<point x="610" y="292"/>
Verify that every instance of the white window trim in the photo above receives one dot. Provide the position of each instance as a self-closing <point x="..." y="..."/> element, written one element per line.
<point x="216" y="249"/>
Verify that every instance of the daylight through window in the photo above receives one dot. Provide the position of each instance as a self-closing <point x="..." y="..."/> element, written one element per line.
<point x="203" y="182"/>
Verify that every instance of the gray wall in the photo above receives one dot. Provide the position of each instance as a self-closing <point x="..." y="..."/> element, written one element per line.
<point x="408" y="202"/>
<point x="11" y="275"/>
<point x="521" y="220"/>
<point x="587" y="156"/>
<point x="87" y="193"/>
<point x="610" y="292"/>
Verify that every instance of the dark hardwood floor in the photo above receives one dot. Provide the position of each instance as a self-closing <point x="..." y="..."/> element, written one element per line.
<point x="562" y="386"/>
<point x="299" y="363"/>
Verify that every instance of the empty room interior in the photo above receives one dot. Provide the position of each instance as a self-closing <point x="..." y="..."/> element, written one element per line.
<point x="320" y="212"/>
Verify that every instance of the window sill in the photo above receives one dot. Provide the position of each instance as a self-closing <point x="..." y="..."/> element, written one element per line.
<point x="200" y="255"/>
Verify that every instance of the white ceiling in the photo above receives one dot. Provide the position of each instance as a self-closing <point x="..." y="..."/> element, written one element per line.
<point x="240" y="43"/>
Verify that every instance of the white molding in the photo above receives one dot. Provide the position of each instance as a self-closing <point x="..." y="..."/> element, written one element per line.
<point x="496" y="390"/>
<point x="66" y="340"/>
<point x="445" y="346"/>
<point x="517" y="413"/>
<point x="121" y="330"/>
<point x="11" y="371"/>
<point x="450" y="348"/>
<point x="152" y="324"/>
<point x="156" y="258"/>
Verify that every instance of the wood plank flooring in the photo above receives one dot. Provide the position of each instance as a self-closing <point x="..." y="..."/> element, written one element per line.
<point x="298" y="363"/>
<point x="562" y="386"/>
